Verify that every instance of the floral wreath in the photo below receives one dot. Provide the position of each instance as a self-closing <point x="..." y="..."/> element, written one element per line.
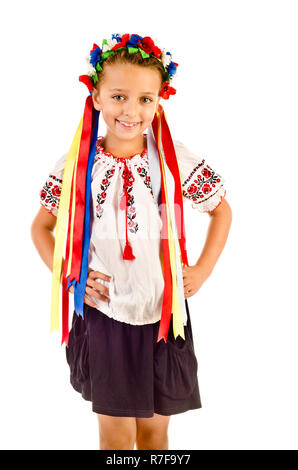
<point x="134" y="43"/>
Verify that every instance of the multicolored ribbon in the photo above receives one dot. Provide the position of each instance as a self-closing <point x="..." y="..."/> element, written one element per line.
<point x="74" y="205"/>
<point x="80" y="287"/>
<point x="62" y="216"/>
<point x="173" y="300"/>
<point x="80" y="192"/>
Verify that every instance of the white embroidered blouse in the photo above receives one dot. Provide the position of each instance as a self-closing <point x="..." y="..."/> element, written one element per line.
<point x="136" y="286"/>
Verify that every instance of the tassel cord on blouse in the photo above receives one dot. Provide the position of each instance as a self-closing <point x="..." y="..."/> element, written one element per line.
<point x="127" y="253"/>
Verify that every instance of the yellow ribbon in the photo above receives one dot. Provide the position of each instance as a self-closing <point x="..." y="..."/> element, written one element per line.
<point x="72" y="216"/>
<point x="178" y="327"/>
<point x="62" y="217"/>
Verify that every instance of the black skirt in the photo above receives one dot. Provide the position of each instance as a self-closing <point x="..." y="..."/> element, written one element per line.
<point x="123" y="371"/>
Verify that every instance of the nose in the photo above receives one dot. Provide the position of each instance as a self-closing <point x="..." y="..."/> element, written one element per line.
<point x="130" y="108"/>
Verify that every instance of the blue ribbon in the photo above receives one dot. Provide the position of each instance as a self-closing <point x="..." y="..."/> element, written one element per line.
<point x="80" y="288"/>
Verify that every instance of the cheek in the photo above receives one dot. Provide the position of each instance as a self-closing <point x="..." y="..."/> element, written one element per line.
<point x="110" y="112"/>
<point x="148" y="113"/>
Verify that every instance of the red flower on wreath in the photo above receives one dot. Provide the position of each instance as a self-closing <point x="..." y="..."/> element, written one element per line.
<point x="95" y="46"/>
<point x="87" y="81"/>
<point x="148" y="46"/>
<point x="167" y="90"/>
<point x="124" y="40"/>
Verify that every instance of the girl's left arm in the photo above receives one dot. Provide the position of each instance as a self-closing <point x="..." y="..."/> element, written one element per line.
<point x="205" y="188"/>
<point x="218" y="230"/>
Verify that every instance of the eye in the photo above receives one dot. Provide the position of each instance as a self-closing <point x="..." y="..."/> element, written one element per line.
<point x="116" y="96"/>
<point x="145" y="98"/>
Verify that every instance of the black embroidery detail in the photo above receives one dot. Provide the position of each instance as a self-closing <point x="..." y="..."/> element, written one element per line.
<point x="146" y="178"/>
<point x="205" y="183"/>
<point x="193" y="172"/>
<point x="133" y="226"/>
<point x="56" y="179"/>
<point x="50" y="194"/>
<point x="101" y="197"/>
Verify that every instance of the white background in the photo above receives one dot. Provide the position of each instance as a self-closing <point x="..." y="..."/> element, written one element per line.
<point x="236" y="104"/>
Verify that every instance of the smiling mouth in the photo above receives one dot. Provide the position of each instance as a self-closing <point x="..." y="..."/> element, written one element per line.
<point x="128" y="124"/>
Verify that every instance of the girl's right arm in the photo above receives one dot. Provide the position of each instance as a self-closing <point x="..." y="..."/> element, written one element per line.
<point x="42" y="236"/>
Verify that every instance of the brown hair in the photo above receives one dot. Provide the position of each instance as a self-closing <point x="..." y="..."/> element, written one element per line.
<point x="122" y="56"/>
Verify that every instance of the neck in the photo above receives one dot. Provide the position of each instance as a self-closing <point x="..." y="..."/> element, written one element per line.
<point x="121" y="148"/>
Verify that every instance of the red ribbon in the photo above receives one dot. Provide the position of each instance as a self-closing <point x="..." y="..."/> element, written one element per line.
<point x="80" y="191"/>
<point x="168" y="285"/>
<point x="159" y="124"/>
<point x="171" y="160"/>
<point x="65" y="292"/>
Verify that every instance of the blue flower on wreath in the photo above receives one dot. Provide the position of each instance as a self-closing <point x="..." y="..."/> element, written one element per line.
<point x="134" y="40"/>
<point x="172" y="69"/>
<point x="95" y="56"/>
<point x="117" y="37"/>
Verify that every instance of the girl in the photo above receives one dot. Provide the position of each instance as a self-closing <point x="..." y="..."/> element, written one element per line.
<point x="130" y="348"/>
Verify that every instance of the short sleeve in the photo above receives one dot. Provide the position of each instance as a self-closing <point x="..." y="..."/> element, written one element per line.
<point x="201" y="184"/>
<point x="51" y="190"/>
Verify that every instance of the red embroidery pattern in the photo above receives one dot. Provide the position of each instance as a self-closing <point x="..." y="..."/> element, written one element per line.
<point x="50" y="194"/>
<point x="101" y="197"/>
<point x="133" y="226"/>
<point x="143" y="172"/>
<point x="100" y="151"/>
<point x="201" y="183"/>
<point x="104" y="156"/>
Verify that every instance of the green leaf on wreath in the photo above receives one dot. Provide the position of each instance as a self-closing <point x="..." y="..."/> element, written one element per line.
<point x="106" y="54"/>
<point x="133" y="50"/>
<point x="144" y="54"/>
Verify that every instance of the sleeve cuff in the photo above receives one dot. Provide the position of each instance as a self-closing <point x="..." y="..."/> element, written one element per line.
<point x="211" y="203"/>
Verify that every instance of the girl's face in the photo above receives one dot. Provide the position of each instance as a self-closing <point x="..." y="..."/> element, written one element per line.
<point x="127" y="94"/>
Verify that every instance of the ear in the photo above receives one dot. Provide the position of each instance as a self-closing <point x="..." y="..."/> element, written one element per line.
<point x="96" y="100"/>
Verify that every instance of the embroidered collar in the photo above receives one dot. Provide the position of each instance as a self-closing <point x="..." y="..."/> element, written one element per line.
<point x="118" y="159"/>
